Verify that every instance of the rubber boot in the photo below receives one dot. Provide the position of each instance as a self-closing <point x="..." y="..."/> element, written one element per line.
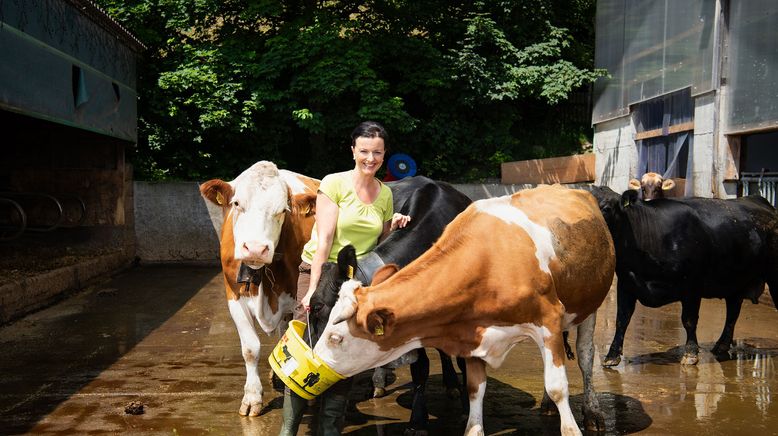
<point x="332" y="413"/>
<point x="294" y="406"/>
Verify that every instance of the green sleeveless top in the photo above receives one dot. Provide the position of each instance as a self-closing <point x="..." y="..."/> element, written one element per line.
<point x="359" y="224"/>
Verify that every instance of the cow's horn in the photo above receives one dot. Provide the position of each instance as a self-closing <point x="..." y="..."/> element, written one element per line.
<point x="345" y="314"/>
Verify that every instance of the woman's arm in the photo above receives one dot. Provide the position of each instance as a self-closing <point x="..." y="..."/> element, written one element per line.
<point x="326" y="220"/>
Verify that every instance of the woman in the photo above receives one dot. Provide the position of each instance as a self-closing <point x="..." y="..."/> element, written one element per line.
<point x="352" y="207"/>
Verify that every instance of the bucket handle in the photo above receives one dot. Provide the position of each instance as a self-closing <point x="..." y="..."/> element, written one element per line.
<point x="308" y="329"/>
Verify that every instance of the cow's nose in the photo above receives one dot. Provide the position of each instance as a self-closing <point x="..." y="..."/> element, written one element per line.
<point x="255" y="250"/>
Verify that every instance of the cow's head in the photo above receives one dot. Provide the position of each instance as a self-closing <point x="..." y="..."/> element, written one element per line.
<point x="652" y="186"/>
<point x="257" y="202"/>
<point x="613" y="205"/>
<point x="333" y="275"/>
<point x="358" y="335"/>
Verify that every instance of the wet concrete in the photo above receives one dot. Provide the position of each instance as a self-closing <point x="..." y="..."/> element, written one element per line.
<point x="162" y="336"/>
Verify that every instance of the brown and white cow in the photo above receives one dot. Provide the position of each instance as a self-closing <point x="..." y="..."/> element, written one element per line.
<point x="652" y="186"/>
<point x="533" y="264"/>
<point x="268" y="215"/>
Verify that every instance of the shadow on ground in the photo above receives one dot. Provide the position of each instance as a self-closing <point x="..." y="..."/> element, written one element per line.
<point x="50" y="355"/>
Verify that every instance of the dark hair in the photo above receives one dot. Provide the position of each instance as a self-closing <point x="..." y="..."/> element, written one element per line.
<point x="369" y="129"/>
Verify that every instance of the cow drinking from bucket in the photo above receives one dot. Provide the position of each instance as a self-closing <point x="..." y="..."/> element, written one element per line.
<point x="268" y="216"/>
<point x="533" y="264"/>
<point x="670" y="250"/>
<point x="432" y="205"/>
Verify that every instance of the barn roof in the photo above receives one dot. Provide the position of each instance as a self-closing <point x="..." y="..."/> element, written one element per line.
<point x="99" y="16"/>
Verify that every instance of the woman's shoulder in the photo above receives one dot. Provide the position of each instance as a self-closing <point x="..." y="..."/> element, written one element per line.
<point x="336" y="178"/>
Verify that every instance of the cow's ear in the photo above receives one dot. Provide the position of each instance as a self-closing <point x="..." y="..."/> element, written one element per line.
<point x="384" y="273"/>
<point x="347" y="262"/>
<point x="303" y="204"/>
<point x="668" y="185"/>
<point x="634" y="185"/>
<point x="378" y="322"/>
<point x="629" y="197"/>
<point x="217" y="192"/>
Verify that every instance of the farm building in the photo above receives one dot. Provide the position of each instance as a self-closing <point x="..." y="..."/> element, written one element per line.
<point x="692" y="94"/>
<point x="68" y="109"/>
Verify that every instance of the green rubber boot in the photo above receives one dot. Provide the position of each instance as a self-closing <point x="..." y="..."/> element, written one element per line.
<point x="294" y="406"/>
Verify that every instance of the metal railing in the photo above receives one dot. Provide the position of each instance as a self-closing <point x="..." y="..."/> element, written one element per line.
<point x="764" y="185"/>
<point x="38" y="212"/>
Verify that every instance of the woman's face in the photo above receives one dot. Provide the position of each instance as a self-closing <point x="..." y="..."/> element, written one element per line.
<point x="368" y="155"/>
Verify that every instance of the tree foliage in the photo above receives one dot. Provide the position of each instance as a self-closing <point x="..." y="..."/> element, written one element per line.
<point x="461" y="86"/>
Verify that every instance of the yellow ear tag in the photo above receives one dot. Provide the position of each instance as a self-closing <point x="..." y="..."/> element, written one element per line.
<point x="350" y="273"/>
<point x="379" y="330"/>
<point x="219" y="198"/>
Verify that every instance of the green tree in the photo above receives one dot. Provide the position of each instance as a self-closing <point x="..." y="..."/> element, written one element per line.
<point x="460" y="86"/>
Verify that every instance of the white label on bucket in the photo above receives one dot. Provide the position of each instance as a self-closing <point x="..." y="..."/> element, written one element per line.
<point x="289" y="366"/>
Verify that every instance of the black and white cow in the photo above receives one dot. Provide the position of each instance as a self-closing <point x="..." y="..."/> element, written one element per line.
<point x="670" y="250"/>
<point x="431" y="205"/>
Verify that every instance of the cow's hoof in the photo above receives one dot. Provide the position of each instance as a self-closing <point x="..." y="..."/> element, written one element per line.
<point x="250" y="409"/>
<point x="452" y="393"/>
<point x="415" y="432"/>
<point x="689" y="359"/>
<point x="611" y="361"/>
<point x="379" y="392"/>
<point x="720" y="349"/>
<point x="594" y="421"/>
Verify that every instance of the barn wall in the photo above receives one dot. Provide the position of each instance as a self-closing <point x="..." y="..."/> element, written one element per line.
<point x="173" y="223"/>
<point x="62" y="66"/>
<point x="703" y="164"/>
<point x="615" y="153"/>
<point x="68" y="110"/>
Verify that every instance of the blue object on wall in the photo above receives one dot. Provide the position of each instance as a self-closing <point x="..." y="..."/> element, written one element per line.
<point x="401" y="165"/>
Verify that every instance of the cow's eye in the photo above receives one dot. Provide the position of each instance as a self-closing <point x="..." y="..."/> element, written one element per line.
<point x="335" y="339"/>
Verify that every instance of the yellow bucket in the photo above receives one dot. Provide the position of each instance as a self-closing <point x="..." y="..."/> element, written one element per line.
<point x="294" y="363"/>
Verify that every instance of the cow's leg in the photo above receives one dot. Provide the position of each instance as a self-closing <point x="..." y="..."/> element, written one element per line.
<point x="420" y="372"/>
<point x="463" y="397"/>
<point x="625" y="307"/>
<point x="476" y="387"/>
<point x="546" y="405"/>
<point x="449" y="376"/>
<point x="733" y="312"/>
<point x="249" y="345"/>
<point x="594" y="420"/>
<point x="690" y="313"/>
<point x="379" y="382"/>
<point x="555" y="381"/>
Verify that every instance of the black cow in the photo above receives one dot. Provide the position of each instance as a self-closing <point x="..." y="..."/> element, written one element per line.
<point x="431" y="205"/>
<point x="670" y="250"/>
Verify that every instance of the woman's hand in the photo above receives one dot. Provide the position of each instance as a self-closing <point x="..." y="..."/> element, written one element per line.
<point x="399" y="221"/>
<point x="306" y="303"/>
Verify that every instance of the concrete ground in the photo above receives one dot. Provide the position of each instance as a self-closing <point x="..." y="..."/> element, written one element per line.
<point x="161" y="337"/>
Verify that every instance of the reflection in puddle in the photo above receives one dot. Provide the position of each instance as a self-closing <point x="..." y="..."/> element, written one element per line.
<point x="750" y="368"/>
<point x="755" y="367"/>
<point x="709" y="390"/>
